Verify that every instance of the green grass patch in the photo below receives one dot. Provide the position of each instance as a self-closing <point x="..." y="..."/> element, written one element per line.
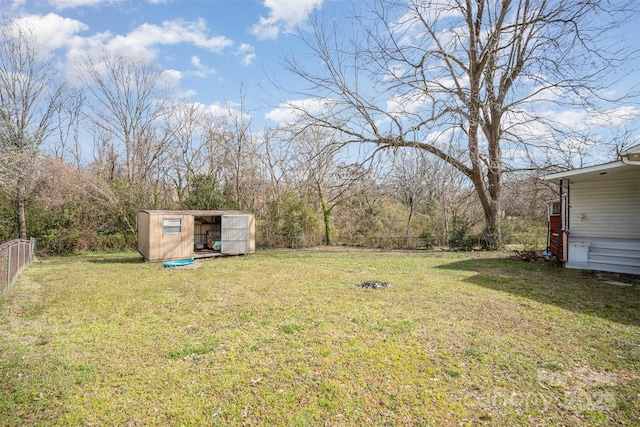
<point x="191" y="350"/>
<point x="286" y="337"/>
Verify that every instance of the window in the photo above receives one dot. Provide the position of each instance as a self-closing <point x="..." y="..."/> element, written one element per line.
<point x="172" y="226"/>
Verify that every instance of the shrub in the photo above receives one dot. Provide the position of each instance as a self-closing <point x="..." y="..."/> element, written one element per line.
<point x="460" y="237"/>
<point x="205" y="193"/>
<point x="117" y="241"/>
<point x="68" y="241"/>
<point x="294" y="233"/>
<point x="290" y="217"/>
<point x="429" y="241"/>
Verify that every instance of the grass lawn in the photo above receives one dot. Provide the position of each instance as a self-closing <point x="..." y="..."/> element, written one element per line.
<point x="288" y="338"/>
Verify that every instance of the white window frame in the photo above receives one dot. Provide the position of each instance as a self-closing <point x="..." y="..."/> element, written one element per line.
<point x="172" y="226"/>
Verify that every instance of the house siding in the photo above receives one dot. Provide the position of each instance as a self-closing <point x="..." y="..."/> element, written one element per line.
<point x="608" y="206"/>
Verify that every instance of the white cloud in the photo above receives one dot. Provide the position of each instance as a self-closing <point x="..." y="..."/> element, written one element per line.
<point x="217" y="110"/>
<point x="172" y="77"/>
<point x="409" y="28"/>
<point x="69" y="4"/>
<point x="393" y="73"/>
<point x="201" y="69"/>
<point x="284" y="15"/>
<point x="17" y="4"/>
<point x="147" y="36"/>
<point x="247" y="54"/>
<point x="143" y="42"/>
<point x="585" y="120"/>
<point x="616" y="117"/>
<point x="184" y="94"/>
<point x="292" y="111"/>
<point x="407" y="104"/>
<point x="51" y="30"/>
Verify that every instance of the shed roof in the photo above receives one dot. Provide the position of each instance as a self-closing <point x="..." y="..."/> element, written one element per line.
<point x="195" y="212"/>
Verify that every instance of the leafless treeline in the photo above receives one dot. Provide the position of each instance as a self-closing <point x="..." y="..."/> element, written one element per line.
<point x="123" y="145"/>
<point x="424" y="123"/>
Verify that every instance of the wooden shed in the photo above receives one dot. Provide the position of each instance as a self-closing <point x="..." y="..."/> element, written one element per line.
<point x="165" y="235"/>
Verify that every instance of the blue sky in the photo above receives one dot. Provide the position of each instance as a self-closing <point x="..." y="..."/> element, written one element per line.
<point x="210" y="48"/>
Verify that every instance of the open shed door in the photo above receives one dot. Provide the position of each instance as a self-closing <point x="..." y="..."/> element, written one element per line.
<point x="235" y="234"/>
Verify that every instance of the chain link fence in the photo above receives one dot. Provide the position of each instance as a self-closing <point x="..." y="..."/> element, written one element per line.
<point x="14" y="257"/>
<point x="373" y="242"/>
<point x="520" y="241"/>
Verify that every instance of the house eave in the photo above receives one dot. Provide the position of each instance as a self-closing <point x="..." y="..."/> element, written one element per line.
<point x="631" y="150"/>
<point x="589" y="172"/>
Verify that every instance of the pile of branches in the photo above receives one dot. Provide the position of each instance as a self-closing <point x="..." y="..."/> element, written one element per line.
<point x="528" y="256"/>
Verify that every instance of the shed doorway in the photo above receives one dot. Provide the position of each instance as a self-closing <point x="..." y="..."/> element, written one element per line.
<point x="214" y="235"/>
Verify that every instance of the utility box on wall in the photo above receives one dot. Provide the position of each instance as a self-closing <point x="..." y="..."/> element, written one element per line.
<point x="578" y="254"/>
<point x="165" y="235"/>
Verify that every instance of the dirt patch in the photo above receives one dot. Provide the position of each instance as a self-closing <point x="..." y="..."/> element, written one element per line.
<point x="583" y="388"/>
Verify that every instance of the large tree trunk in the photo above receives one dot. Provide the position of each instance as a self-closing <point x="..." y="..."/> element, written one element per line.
<point x="326" y="216"/>
<point x="22" y="219"/>
<point x="488" y="191"/>
<point x="491" y="237"/>
<point x="408" y="226"/>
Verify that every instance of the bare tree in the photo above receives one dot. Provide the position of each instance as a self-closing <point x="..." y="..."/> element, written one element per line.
<point x="105" y="156"/>
<point x="327" y="169"/>
<point x="68" y="115"/>
<point x="29" y="95"/>
<point x="240" y="146"/>
<point x="187" y="135"/>
<point x="127" y="98"/>
<point x="216" y="148"/>
<point x="241" y="166"/>
<point x="277" y="156"/>
<point x="410" y="181"/>
<point x="463" y="74"/>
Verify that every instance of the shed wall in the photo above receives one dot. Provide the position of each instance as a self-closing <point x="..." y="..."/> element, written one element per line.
<point x="154" y="245"/>
<point x="170" y="246"/>
<point x="252" y="233"/>
<point x="143" y="234"/>
<point x="608" y="206"/>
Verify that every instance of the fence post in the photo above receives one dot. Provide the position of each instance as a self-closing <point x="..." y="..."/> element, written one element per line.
<point x="18" y="265"/>
<point x="9" y="267"/>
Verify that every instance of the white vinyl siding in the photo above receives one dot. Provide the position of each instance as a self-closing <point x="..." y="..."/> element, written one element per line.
<point x="606" y="206"/>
